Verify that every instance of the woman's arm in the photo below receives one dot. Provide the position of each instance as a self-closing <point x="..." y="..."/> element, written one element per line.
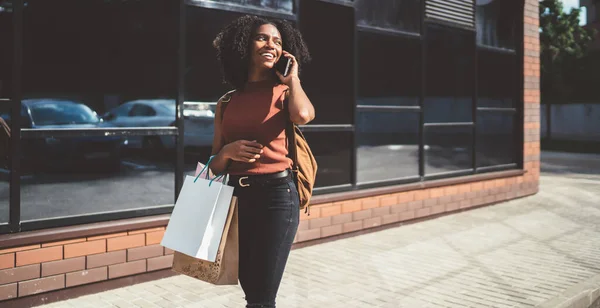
<point x="301" y="109"/>
<point x="219" y="163"/>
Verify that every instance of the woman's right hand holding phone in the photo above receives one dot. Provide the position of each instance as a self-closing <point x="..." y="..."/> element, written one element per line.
<point x="243" y="151"/>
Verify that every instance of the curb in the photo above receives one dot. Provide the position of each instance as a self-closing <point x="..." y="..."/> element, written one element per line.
<point x="585" y="294"/>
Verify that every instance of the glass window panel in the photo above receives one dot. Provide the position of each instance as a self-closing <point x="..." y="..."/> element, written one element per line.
<point x="389" y="70"/>
<point x="333" y="152"/>
<point x="204" y="82"/>
<point x="390" y="14"/>
<point x="388" y="145"/>
<point x="449" y="75"/>
<point x="86" y="65"/>
<point x="4" y="198"/>
<point x="103" y="54"/>
<point x="4" y="160"/>
<point x="496" y="79"/>
<point x="497" y="22"/>
<point x="6" y="49"/>
<point x="86" y="175"/>
<point x="286" y="6"/>
<point x="329" y="79"/>
<point x="6" y="63"/>
<point x="448" y="148"/>
<point x="496" y="139"/>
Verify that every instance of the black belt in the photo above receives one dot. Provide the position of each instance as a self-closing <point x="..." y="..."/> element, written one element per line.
<point x="260" y="179"/>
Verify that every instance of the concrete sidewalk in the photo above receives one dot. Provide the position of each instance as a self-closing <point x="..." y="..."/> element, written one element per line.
<point x="541" y="251"/>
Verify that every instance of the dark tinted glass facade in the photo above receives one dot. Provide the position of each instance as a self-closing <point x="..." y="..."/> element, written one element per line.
<point x="404" y="15"/>
<point x="6" y="89"/>
<point x="286" y="6"/>
<point x="498" y="86"/>
<point x="115" y="100"/>
<point x="97" y="65"/>
<point x="449" y="75"/>
<point x="497" y="23"/>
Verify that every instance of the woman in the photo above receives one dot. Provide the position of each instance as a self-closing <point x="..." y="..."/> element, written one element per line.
<point x="250" y="145"/>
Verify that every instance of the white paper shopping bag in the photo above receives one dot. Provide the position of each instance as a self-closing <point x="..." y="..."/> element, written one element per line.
<point x="198" y="219"/>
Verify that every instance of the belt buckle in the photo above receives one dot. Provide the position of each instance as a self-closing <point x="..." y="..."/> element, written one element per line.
<point x="242" y="184"/>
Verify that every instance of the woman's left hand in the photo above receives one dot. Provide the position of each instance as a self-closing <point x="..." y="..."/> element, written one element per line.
<point x="293" y="75"/>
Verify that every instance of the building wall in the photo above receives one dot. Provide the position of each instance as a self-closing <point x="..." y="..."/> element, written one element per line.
<point x="572" y="122"/>
<point x="43" y="267"/>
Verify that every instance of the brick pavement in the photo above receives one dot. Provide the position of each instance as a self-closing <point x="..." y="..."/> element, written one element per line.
<point x="537" y="251"/>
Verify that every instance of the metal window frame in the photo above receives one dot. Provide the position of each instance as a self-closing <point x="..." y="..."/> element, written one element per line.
<point x="37" y="224"/>
<point x="333" y="189"/>
<point x="475" y="89"/>
<point x="16" y="225"/>
<point x="392" y="108"/>
<point x="496" y="168"/>
<point x="388" y="182"/>
<point x="498" y="109"/>
<point x="449" y="174"/>
<point x="387" y="31"/>
<point x="180" y="120"/>
<point x="496" y="49"/>
<point x="15" y="163"/>
<point x="28" y="133"/>
<point x="355" y="65"/>
<point x="349" y="3"/>
<point x="423" y="91"/>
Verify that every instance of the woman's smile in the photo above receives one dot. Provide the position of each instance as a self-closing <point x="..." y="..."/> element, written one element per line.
<point x="269" y="56"/>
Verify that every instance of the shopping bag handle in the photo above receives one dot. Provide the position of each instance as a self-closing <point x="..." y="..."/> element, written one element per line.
<point x="207" y="173"/>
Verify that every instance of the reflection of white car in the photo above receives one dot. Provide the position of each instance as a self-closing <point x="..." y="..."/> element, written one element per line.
<point x="198" y="125"/>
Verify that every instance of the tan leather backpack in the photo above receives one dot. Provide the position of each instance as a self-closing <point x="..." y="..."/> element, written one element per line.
<point x="304" y="164"/>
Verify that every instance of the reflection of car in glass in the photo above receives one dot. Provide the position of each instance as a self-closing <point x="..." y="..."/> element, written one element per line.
<point x="66" y="114"/>
<point x="161" y="112"/>
<point x="7" y="6"/>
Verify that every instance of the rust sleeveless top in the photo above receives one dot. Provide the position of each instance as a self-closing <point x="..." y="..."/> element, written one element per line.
<point x="256" y="113"/>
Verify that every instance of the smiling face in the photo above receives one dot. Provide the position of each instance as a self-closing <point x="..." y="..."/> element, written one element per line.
<point x="266" y="47"/>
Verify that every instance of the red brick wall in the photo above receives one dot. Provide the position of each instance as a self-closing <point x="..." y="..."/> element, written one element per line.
<point x="353" y="215"/>
<point x="53" y="266"/>
<point x="531" y="154"/>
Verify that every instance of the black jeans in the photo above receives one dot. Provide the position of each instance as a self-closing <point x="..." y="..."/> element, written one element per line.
<point x="268" y="222"/>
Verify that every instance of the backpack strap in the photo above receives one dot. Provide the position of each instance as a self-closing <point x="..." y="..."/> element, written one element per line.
<point x="223" y="101"/>
<point x="4" y="127"/>
<point x="290" y="132"/>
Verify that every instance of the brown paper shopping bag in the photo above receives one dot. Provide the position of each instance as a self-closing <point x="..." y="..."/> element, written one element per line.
<point x="224" y="271"/>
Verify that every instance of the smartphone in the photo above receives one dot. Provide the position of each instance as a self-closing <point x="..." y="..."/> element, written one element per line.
<point x="284" y="65"/>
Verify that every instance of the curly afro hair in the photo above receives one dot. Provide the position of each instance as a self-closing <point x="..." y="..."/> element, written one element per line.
<point x="233" y="43"/>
